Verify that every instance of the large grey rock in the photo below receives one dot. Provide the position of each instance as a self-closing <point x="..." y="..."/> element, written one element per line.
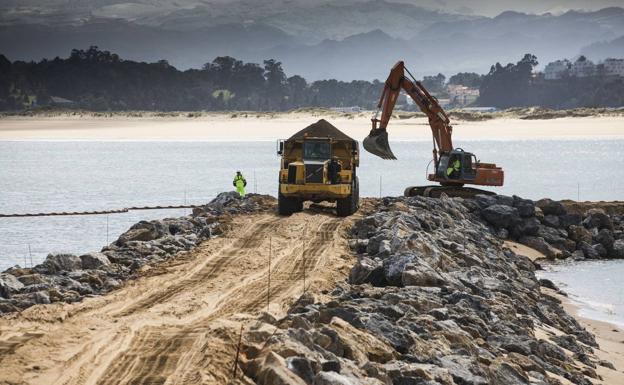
<point x="605" y="238"/>
<point x="31" y="279"/>
<point x="135" y="235"/>
<point x="526" y="207"/>
<point x="394" y="267"/>
<point x="589" y="251"/>
<point x="579" y="234"/>
<point x="570" y="219"/>
<point x="459" y="368"/>
<point x="551" y="207"/>
<point x="399" y="338"/>
<point x="484" y="201"/>
<point x="618" y="248"/>
<point x="504" y="200"/>
<point x="302" y="367"/>
<point x="9" y="285"/>
<point x="527" y="226"/>
<point x="56" y="263"/>
<point x="551" y="220"/>
<point x="94" y="260"/>
<point x="506" y="374"/>
<point x="333" y="378"/>
<point x="421" y="274"/>
<point x="225" y="198"/>
<point x="367" y="270"/>
<point x="601" y="250"/>
<point x="501" y="215"/>
<point x="552" y="235"/>
<point x="597" y="218"/>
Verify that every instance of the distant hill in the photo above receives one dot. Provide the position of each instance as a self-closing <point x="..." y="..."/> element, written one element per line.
<point x="605" y="49"/>
<point x="323" y="39"/>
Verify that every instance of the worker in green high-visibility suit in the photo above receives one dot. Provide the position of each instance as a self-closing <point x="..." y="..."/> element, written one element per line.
<point x="453" y="170"/>
<point x="240" y="183"/>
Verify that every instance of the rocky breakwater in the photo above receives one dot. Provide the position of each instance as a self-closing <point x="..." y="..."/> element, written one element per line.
<point x="556" y="229"/>
<point x="69" y="278"/>
<point x="434" y="298"/>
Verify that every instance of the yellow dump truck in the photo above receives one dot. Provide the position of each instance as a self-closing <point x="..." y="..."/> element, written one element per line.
<point x="318" y="164"/>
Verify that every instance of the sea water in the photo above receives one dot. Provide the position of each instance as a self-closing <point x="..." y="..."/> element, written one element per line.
<point x="56" y="176"/>
<point x="595" y="286"/>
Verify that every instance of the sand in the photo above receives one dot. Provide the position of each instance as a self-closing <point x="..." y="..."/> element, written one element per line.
<point x="179" y="321"/>
<point x="610" y="337"/>
<point x="235" y="127"/>
<point x="521" y="249"/>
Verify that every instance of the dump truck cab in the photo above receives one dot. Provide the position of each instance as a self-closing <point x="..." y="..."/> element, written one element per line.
<point x="318" y="164"/>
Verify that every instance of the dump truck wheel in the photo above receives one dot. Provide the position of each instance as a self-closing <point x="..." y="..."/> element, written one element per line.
<point x="287" y="206"/>
<point x="343" y="206"/>
<point x="349" y="205"/>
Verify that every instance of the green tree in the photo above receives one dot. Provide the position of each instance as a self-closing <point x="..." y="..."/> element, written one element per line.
<point x="468" y="79"/>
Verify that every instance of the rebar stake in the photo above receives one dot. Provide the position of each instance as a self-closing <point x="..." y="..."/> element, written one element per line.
<point x="240" y="338"/>
<point x="269" y="278"/>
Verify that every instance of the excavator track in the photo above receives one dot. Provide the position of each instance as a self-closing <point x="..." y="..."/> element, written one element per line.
<point x="436" y="191"/>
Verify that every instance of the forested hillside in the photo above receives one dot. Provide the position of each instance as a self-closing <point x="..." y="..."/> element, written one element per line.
<point x="99" y="80"/>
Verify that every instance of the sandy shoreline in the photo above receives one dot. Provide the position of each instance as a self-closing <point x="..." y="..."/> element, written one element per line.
<point x="229" y="127"/>
<point x="609" y="337"/>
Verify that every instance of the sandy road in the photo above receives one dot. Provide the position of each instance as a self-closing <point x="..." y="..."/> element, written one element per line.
<point x="178" y="323"/>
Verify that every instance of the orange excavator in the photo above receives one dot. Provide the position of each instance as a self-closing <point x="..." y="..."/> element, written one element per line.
<point x="453" y="167"/>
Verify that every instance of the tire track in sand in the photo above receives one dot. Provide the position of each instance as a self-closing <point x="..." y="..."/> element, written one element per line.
<point x="156" y="352"/>
<point x="179" y="326"/>
<point x="210" y="269"/>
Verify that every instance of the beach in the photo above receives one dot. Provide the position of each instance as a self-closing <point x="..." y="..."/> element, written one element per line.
<point x="271" y="126"/>
<point x="609" y="337"/>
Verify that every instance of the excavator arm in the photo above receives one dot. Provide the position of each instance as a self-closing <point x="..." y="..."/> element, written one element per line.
<point x="453" y="166"/>
<point x="377" y="141"/>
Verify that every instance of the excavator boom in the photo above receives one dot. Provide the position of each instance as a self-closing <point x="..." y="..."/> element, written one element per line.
<point x="377" y="141"/>
<point x="445" y="156"/>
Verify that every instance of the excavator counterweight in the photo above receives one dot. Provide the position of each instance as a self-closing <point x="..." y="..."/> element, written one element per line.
<point x="453" y="167"/>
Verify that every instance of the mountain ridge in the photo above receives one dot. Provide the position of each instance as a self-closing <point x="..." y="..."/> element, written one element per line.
<point x="448" y="44"/>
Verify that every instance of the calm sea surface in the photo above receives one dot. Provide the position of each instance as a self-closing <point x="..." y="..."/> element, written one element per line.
<point x="595" y="286"/>
<point x="40" y="176"/>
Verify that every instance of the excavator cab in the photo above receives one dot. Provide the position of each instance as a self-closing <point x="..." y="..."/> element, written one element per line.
<point x="465" y="174"/>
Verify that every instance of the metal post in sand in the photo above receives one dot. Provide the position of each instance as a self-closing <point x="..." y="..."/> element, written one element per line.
<point x="303" y="258"/>
<point x="578" y="191"/>
<point x="30" y="254"/>
<point x="240" y="338"/>
<point x="269" y="278"/>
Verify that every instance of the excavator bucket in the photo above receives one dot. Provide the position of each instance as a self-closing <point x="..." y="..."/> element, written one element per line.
<point x="377" y="144"/>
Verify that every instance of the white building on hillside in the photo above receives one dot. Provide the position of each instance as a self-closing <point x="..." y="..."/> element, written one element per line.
<point x="461" y="95"/>
<point x="557" y="69"/>
<point x="614" y="67"/>
<point x="583" y="67"/>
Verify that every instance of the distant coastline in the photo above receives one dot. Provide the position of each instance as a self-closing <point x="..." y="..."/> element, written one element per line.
<point x="512" y="124"/>
<point x="457" y="114"/>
